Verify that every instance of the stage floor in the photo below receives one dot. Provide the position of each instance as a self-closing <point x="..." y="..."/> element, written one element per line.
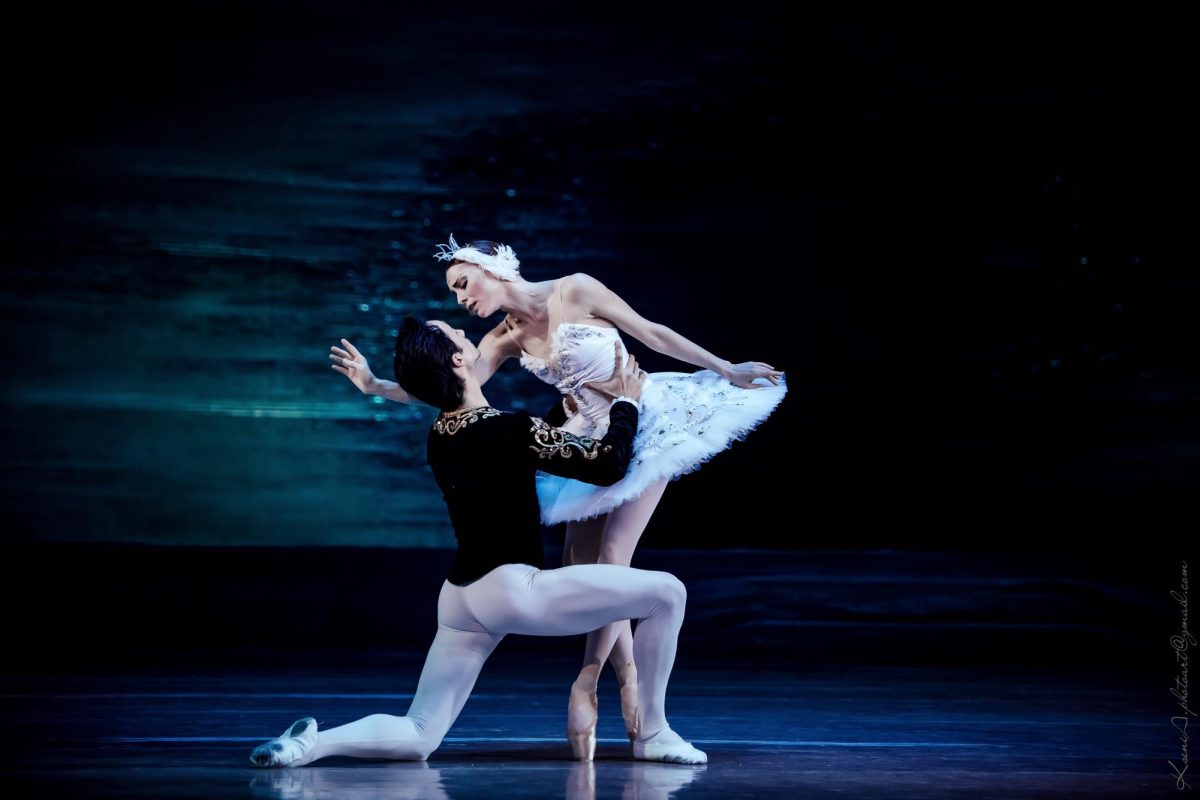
<point x="769" y="731"/>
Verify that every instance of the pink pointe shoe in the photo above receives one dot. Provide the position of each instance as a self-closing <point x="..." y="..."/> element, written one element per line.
<point x="582" y="714"/>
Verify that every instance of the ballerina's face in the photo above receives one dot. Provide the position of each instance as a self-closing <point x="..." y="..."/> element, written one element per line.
<point x="476" y="290"/>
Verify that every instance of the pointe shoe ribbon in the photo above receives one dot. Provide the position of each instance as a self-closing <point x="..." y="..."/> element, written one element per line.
<point x="629" y="710"/>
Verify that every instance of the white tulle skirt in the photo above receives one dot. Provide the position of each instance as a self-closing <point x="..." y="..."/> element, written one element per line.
<point x="686" y="419"/>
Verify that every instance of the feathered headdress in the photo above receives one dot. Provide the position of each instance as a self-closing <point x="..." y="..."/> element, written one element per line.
<point x="504" y="264"/>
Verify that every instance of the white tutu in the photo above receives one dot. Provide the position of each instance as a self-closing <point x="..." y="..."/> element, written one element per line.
<point x="686" y="419"/>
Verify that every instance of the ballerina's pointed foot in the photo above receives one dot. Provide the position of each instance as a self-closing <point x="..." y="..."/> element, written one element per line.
<point x="288" y="748"/>
<point x="582" y="714"/>
<point x="629" y="709"/>
<point x="666" y="745"/>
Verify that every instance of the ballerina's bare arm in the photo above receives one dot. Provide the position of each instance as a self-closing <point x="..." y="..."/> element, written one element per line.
<point x="494" y="349"/>
<point x="592" y="297"/>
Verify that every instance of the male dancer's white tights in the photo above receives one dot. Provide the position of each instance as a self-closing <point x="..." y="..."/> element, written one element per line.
<point x="517" y="598"/>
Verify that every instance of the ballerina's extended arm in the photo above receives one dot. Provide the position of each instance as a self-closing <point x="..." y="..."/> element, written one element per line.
<point x="593" y="297"/>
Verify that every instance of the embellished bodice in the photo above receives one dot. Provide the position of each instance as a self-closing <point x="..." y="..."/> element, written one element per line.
<point x="579" y="354"/>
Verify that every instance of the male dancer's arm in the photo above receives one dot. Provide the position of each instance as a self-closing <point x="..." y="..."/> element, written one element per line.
<point x="599" y="461"/>
<point x="557" y="415"/>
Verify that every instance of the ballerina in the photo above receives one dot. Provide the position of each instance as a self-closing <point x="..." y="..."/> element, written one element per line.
<point x="561" y="331"/>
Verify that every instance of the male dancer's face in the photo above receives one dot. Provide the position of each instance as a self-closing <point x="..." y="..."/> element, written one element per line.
<point x="456" y="335"/>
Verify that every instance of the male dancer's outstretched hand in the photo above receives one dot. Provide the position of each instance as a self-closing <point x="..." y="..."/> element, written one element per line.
<point x="353" y="365"/>
<point x="626" y="380"/>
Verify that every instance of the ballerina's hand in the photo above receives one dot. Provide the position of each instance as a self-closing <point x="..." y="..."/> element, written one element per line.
<point x="353" y="365"/>
<point x="743" y="374"/>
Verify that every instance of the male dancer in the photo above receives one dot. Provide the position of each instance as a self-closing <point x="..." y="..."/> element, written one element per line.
<point x="485" y="462"/>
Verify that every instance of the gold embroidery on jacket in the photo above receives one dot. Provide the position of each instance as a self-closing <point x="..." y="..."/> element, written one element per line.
<point x="451" y="422"/>
<point x="549" y="442"/>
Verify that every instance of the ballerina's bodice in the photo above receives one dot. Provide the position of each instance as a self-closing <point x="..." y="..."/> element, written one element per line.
<point x="579" y="354"/>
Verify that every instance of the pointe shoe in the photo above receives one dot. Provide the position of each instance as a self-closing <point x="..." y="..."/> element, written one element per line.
<point x="629" y="709"/>
<point x="287" y="748"/>
<point x="582" y="714"/>
<point x="666" y="745"/>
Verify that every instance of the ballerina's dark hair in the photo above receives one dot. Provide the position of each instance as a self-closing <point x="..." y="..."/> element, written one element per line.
<point x="423" y="367"/>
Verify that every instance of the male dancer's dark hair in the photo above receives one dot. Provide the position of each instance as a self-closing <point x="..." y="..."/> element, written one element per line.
<point x="423" y="367"/>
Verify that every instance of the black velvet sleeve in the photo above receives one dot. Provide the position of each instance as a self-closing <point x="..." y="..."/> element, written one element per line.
<point x="557" y="415"/>
<point x="601" y="462"/>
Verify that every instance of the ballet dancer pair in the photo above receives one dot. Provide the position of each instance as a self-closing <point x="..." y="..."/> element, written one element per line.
<point x="485" y="462"/>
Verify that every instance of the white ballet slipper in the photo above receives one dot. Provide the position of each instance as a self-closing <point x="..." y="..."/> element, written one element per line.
<point x="667" y="746"/>
<point x="289" y="747"/>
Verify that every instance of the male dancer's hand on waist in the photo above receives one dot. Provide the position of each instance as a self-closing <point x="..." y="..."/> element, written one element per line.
<point x="626" y="380"/>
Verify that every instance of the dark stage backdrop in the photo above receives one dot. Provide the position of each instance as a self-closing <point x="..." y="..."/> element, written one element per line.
<point x="949" y="231"/>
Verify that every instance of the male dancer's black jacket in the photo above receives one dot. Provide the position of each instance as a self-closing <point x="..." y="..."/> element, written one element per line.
<point x="486" y="462"/>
